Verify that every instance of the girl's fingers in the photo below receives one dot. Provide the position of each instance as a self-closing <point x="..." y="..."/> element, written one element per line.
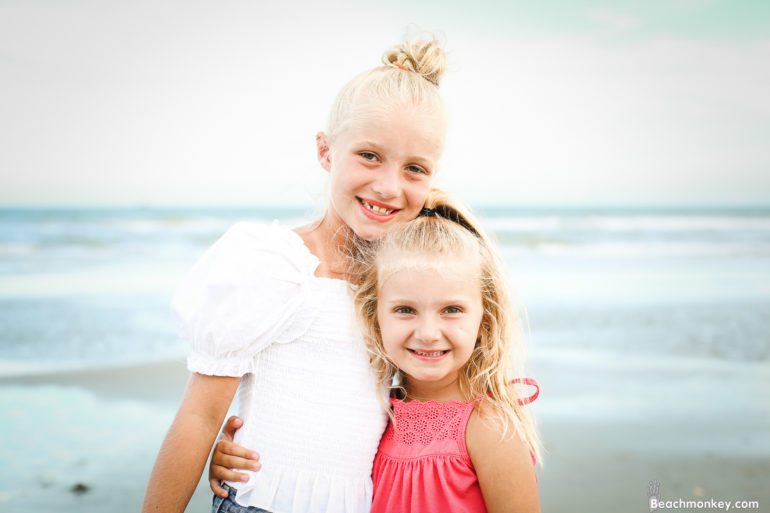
<point x="230" y="427"/>
<point x="217" y="474"/>
<point x="216" y="487"/>
<point x="228" y="454"/>
<point x="237" y="463"/>
<point x="223" y="448"/>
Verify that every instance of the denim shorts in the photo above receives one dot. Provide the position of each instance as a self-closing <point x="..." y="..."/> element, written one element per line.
<point x="229" y="505"/>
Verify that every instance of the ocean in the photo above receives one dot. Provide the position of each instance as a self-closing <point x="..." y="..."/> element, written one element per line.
<point x="632" y="313"/>
<point x="92" y="286"/>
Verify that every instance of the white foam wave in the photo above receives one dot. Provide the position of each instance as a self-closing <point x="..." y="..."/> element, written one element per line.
<point x="158" y="225"/>
<point x="640" y="249"/>
<point x="679" y="223"/>
<point x="629" y="223"/>
<point x="16" y="249"/>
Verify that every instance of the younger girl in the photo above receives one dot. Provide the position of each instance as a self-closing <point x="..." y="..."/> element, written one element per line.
<point x="432" y="300"/>
<point x="436" y="316"/>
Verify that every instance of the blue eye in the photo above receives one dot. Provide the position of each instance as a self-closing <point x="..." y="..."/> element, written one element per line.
<point x="403" y="310"/>
<point x="417" y="169"/>
<point x="453" y="309"/>
<point x="368" y="155"/>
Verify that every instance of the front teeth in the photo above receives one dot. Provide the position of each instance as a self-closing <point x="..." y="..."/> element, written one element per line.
<point x="433" y="353"/>
<point x="376" y="209"/>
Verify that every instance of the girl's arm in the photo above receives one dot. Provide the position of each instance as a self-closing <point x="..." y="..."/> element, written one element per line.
<point x="504" y="466"/>
<point x="229" y="455"/>
<point x="183" y="454"/>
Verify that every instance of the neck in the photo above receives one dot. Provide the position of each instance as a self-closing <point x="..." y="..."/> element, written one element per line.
<point x="326" y="240"/>
<point x="434" y="390"/>
<point x="333" y="230"/>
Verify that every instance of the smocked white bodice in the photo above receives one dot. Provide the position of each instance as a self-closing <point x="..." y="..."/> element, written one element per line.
<point x="252" y="307"/>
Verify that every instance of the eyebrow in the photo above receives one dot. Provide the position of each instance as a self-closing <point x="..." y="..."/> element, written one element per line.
<point x="405" y="301"/>
<point x="417" y="159"/>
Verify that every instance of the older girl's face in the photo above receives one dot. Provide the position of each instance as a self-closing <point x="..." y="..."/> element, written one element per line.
<point x="381" y="170"/>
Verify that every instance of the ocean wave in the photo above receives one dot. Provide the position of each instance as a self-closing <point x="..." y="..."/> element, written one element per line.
<point x="637" y="250"/>
<point x="168" y="225"/>
<point x="678" y="223"/>
<point x="613" y="223"/>
<point x="732" y="331"/>
<point x="16" y="249"/>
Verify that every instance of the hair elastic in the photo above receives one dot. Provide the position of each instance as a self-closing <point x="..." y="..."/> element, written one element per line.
<point x="450" y="214"/>
<point x="524" y="381"/>
<point x="530" y="382"/>
<point x="401" y="66"/>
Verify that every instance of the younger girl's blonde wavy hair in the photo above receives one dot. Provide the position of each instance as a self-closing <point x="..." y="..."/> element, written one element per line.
<point x="426" y="243"/>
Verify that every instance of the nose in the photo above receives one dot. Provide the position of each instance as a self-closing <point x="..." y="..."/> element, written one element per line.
<point x="387" y="184"/>
<point x="427" y="330"/>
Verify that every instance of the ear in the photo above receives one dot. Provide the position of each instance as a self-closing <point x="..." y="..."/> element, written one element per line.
<point x="322" y="151"/>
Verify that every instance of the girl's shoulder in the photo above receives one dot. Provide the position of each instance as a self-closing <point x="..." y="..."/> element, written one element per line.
<point x="486" y="437"/>
<point x="250" y="289"/>
<point x="485" y="418"/>
<point x="263" y="242"/>
<point x="251" y="260"/>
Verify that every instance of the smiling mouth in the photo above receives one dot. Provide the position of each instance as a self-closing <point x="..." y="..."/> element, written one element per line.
<point x="380" y="211"/>
<point x="429" y="354"/>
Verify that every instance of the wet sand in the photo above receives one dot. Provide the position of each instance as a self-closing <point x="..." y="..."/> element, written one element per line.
<point x="607" y="430"/>
<point x="161" y="381"/>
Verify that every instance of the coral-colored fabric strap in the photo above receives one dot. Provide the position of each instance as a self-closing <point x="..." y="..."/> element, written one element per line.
<point x="530" y="382"/>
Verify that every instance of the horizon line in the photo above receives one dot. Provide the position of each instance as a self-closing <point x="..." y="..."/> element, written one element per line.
<point x="567" y="205"/>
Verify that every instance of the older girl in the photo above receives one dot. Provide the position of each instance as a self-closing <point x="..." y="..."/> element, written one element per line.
<point x="268" y="312"/>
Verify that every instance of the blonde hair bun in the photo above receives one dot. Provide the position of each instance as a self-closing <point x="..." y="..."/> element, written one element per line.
<point x="421" y="54"/>
<point x="407" y="80"/>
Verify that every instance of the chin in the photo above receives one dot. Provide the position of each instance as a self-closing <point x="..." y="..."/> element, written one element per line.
<point x="431" y="378"/>
<point x="371" y="233"/>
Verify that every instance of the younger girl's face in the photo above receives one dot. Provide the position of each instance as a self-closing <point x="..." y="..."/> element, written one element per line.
<point x="381" y="170"/>
<point x="430" y="321"/>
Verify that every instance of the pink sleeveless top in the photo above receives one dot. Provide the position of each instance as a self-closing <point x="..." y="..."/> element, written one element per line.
<point x="422" y="464"/>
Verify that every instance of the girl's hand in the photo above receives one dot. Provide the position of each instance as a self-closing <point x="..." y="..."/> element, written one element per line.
<point x="227" y="455"/>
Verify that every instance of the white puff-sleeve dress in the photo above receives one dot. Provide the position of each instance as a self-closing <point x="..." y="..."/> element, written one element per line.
<point x="252" y="307"/>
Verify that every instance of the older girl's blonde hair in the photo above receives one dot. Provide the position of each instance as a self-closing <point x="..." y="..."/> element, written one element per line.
<point x="408" y="78"/>
<point x="499" y="352"/>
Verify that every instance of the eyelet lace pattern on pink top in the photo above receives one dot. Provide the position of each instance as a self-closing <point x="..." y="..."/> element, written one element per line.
<point x="424" y="422"/>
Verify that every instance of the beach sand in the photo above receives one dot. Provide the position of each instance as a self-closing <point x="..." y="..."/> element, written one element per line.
<point x="608" y="431"/>
<point x="102" y="460"/>
<point x="162" y="381"/>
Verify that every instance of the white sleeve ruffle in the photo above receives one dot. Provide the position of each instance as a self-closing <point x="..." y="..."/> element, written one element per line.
<point x="247" y="291"/>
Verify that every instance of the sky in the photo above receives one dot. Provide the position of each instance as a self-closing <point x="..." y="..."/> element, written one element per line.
<point x="135" y="102"/>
